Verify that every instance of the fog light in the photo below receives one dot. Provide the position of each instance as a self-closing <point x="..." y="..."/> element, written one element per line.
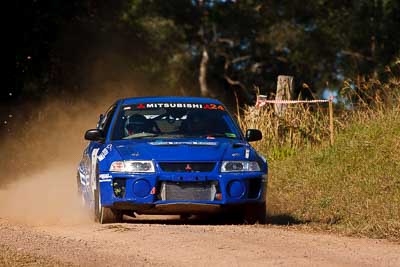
<point x="235" y="189"/>
<point x="141" y="188"/>
<point x="119" y="187"/>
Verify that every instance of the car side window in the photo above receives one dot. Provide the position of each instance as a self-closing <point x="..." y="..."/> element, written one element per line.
<point x="106" y="121"/>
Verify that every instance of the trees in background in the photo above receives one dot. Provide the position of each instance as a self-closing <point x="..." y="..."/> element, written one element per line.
<point x="203" y="47"/>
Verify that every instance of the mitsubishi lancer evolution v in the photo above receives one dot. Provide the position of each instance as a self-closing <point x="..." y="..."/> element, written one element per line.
<point x="172" y="155"/>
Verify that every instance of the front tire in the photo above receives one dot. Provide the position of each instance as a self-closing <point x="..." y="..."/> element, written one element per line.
<point x="78" y="184"/>
<point x="255" y="213"/>
<point x="79" y="192"/>
<point x="102" y="214"/>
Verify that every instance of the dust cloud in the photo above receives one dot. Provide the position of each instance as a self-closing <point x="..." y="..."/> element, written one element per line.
<point x="42" y="143"/>
<point x="44" y="198"/>
<point x="40" y="155"/>
<point x="39" y="159"/>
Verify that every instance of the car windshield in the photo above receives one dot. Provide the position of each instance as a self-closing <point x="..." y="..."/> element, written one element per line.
<point x="174" y="120"/>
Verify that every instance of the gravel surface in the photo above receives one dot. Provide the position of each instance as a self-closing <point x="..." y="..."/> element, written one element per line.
<point x="169" y="242"/>
<point x="42" y="223"/>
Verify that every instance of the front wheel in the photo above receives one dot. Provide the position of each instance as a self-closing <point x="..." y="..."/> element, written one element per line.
<point x="255" y="213"/>
<point x="102" y="214"/>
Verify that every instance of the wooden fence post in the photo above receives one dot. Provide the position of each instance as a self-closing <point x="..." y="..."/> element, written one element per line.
<point x="284" y="91"/>
<point x="331" y="129"/>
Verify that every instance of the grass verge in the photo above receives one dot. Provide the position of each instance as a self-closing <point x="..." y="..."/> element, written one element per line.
<point x="352" y="187"/>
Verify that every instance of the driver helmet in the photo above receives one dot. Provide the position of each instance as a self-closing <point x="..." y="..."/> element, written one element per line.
<point x="197" y="122"/>
<point x="137" y="123"/>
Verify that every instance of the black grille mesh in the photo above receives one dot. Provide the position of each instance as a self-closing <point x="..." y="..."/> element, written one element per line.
<point x="187" y="166"/>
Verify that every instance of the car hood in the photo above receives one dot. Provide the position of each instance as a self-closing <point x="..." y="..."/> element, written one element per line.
<point x="183" y="150"/>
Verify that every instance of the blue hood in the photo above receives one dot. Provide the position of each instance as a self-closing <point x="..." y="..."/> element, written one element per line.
<point x="182" y="150"/>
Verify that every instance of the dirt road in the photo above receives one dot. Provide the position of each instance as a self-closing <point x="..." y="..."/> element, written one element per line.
<point x="42" y="224"/>
<point x="170" y="242"/>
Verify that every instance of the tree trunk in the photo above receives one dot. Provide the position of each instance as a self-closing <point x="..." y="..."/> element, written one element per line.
<point x="203" y="73"/>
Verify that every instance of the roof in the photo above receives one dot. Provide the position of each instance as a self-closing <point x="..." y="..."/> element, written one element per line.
<point x="169" y="99"/>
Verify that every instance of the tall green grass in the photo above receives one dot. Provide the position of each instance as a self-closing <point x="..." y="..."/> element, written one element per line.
<point x="353" y="186"/>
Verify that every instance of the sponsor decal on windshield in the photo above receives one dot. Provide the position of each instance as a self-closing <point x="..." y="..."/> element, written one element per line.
<point x="180" y="105"/>
<point x="213" y="106"/>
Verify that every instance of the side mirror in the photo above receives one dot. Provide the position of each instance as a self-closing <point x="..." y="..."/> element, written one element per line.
<point x="94" y="135"/>
<point x="253" y="135"/>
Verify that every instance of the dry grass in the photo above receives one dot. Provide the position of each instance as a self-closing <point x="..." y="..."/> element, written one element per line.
<point x="300" y="126"/>
<point x="353" y="186"/>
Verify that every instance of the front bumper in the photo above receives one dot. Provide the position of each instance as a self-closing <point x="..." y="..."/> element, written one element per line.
<point x="146" y="192"/>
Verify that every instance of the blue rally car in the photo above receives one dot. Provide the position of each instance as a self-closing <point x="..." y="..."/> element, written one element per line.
<point x="172" y="155"/>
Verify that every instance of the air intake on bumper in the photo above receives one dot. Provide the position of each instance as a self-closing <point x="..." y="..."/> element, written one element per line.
<point x="188" y="191"/>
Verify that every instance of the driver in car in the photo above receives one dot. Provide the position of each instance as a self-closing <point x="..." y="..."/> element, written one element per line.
<point x="197" y="123"/>
<point x="138" y="123"/>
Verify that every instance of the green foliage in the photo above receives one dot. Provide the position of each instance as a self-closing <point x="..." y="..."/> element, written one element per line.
<point x="164" y="33"/>
<point x="280" y="153"/>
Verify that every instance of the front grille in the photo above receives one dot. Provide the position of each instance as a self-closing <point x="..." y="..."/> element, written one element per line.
<point x="188" y="191"/>
<point x="187" y="166"/>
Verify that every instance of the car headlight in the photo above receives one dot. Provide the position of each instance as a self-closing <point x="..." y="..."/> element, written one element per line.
<point x="240" y="166"/>
<point x="133" y="166"/>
